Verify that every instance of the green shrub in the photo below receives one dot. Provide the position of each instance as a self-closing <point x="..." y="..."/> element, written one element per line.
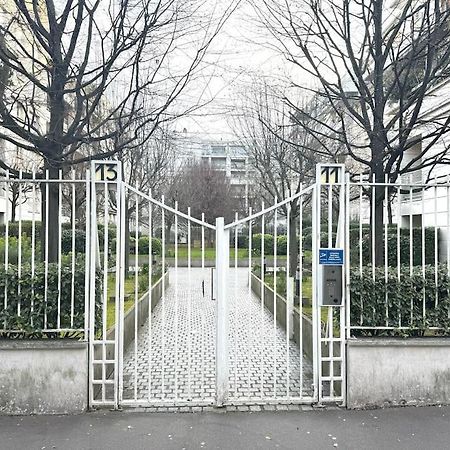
<point x="13" y="250"/>
<point x="144" y="245"/>
<point x="377" y="302"/>
<point x="366" y="244"/>
<point x="30" y="293"/>
<point x="268" y="244"/>
<point x="282" y="242"/>
<point x="80" y="241"/>
<point x="13" y="228"/>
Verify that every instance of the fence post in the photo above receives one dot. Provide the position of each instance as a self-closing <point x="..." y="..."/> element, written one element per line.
<point x="222" y="263"/>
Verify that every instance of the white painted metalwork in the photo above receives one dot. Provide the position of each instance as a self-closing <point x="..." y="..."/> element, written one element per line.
<point x="156" y="335"/>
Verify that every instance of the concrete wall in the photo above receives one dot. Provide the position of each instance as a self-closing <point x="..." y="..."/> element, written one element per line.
<point x="280" y="305"/>
<point x="43" y="376"/>
<point x="390" y="372"/>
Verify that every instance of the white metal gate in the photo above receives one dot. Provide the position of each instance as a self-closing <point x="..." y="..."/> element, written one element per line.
<point x="168" y="331"/>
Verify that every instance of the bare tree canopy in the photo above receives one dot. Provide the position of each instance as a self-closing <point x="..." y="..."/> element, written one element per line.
<point x="204" y="190"/>
<point x="82" y="80"/>
<point x="376" y="68"/>
<point x="99" y="70"/>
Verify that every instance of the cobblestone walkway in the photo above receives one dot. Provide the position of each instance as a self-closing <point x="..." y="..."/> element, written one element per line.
<point x="181" y="350"/>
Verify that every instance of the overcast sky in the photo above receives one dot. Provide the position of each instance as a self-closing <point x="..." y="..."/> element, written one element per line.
<point x="238" y="55"/>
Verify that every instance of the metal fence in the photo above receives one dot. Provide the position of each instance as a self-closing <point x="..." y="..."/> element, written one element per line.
<point x="43" y="267"/>
<point x="400" y="272"/>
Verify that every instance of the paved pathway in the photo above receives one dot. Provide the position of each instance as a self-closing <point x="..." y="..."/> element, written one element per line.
<point x="182" y="346"/>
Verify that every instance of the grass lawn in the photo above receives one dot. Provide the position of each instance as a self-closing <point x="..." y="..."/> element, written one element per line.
<point x="129" y="294"/>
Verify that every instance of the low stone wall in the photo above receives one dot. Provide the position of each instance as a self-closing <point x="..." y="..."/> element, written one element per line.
<point x="143" y="305"/>
<point x="129" y="321"/>
<point x="394" y="371"/>
<point x="280" y="305"/>
<point x="47" y="376"/>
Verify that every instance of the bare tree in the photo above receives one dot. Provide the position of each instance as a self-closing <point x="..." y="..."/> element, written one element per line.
<point x="196" y="185"/>
<point x="75" y="73"/>
<point x="147" y="168"/>
<point x="280" y="150"/>
<point x="375" y="68"/>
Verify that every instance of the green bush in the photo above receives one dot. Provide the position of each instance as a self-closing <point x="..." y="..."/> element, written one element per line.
<point x="30" y="293"/>
<point x="80" y="241"/>
<point x="13" y="250"/>
<point x="282" y="242"/>
<point x="268" y="244"/>
<point x="392" y="245"/>
<point x="144" y="245"/>
<point x="377" y="302"/>
<point x="13" y="228"/>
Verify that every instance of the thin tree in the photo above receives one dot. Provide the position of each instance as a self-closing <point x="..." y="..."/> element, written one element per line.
<point x="375" y="68"/>
<point x="280" y="153"/>
<point x="80" y="73"/>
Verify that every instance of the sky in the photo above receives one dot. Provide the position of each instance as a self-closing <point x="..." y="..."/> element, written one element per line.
<point x="237" y="56"/>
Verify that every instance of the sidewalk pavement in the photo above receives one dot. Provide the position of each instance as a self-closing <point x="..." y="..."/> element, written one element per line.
<point x="396" y="428"/>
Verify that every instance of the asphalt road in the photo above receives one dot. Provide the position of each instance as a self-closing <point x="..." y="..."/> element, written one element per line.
<point x="403" y="428"/>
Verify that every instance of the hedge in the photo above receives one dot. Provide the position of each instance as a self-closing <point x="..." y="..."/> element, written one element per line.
<point x="392" y="245"/>
<point x="368" y="300"/>
<point x="30" y="322"/>
<point x="144" y="245"/>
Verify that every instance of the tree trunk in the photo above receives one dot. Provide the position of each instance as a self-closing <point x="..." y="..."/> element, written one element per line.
<point x="50" y="217"/>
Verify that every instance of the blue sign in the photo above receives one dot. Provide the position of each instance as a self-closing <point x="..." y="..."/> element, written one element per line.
<point x="331" y="256"/>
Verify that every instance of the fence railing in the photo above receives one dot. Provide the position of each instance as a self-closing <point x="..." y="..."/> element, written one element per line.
<point x="399" y="268"/>
<point x="43" y="247"/>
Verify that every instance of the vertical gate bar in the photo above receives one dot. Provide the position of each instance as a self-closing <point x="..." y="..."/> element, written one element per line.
<point x="222" y="319"/>
<point x="411" y="248"/>
<point x="136" y="296"/>
<point x="250" y="247"/>
<point x="436" y="250"/>
<point x="343" y="225"/>
<point x="86" y="258"/>
<point x="59" y="246"/>
<point x="274" y="338"/>
<point x="120" y="288"/>
<point x="163" y="297"/>
<point x="372" y="225"/>
<point x="150" y="295"/>
<point x="263" y="269"/>
<point x="235" y="304"/>
<point x="289" y="299"/>
<point x="7" y="188"/>
<point x="203" y="313"/>
<point x="19" y="252"/>
<point x="72" y="284"/>
<point x="361" y="243"/>
<point x="315" y="289"/>
<point x="33" y="242"/>
<point x="330" y="311"/>
<point x="105" y="282"/>
<point x="386" y="256"/>
<point x="423" y="244"/>
<point x="347" y="258"/>
<point x="92" y="273"/>
<point x="399" y="217"/>
<point x="176" y="299"/>
<point x="448" y="231"/>
<point x="46" y="249"/>
<point x="189" y="337"/>
<point x="300" y="286"/>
